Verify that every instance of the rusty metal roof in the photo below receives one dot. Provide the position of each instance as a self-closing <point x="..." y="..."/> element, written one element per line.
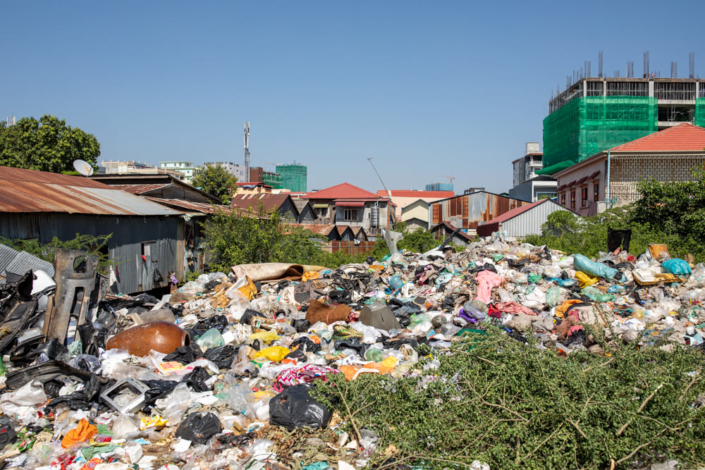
<point x="139" y="188"/>
<point x="191" y="206"/>
<point x="38" y="191"/>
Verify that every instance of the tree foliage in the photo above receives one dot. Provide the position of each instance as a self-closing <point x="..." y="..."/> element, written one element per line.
<point x="261" y="236"/>
<point x="47" y="144"/>
<point x="217" y="181"/>
<point x="47" y="252"/>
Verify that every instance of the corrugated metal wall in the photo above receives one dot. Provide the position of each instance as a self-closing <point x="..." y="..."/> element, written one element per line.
<point x="530" y="222"/>
<point x="125" y="247"/>
<point x="469" y="210"/>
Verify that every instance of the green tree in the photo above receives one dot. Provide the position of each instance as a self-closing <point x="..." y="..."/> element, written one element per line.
<point x="46" y="145"/>
<point x="216" y="180"/>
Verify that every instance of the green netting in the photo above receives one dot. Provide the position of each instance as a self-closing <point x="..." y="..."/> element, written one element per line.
<point x="699" y="119"/>
<point x="589" y="125"/>
<point x="273" y="180"/>
<point x="294" y="177"/>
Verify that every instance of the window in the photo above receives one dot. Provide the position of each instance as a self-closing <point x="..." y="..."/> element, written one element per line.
<point x="350" y="215"/>
<point x="572" y="198"/>
<point x="596" y="190"/>
<point x="583" y="196"/>
<point x="563" y="199"/>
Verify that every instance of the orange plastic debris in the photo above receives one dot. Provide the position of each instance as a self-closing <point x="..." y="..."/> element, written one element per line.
<point x="82" y="433"/>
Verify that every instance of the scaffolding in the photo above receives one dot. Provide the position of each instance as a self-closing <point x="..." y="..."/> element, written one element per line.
<point x="588" y="125"/>
<point x="699" y="119"/>
<point x="294" y="177"/>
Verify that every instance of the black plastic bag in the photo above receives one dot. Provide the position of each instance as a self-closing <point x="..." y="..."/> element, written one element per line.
<point x="7" y="432"/>
<point x="199" y="427"/>
<point x="93" y="339"/>
<point x="52" y="348"/>
<point x="219" y="322"/>
<point x="185" y="354"/>
<point x="305" y="345"/>
<point x="157" y="277"/>
<point x="222" y="357"/>
<point x="339" y="296"/>
<point x="157" y="389"/>
<point x="301" y="326"/>
<point x="236" y="439"/>
<point x="295" y="408"/>
<point x="197" y="378"/>
<point x="248" y="314"/>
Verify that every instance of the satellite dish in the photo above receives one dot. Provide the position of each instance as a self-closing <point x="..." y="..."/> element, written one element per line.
<point x="83" y="167"/>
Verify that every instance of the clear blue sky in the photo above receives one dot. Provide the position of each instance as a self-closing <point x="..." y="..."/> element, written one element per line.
<point x="424" y="88"/>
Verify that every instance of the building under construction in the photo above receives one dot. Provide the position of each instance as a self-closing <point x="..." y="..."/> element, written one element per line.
<point x="597" y="113"/>
<point x="294" y="177"/>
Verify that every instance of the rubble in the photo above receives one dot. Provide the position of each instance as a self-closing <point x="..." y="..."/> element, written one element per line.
<point x="222" y="373"/>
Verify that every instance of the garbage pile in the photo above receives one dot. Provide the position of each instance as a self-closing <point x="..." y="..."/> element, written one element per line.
<point x="221" y="373"/>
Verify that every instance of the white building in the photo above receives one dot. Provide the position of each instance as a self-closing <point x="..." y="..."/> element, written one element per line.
<point x="184" y="167"/>
<point x="527" y="186"/>
<point x="233" y="168"/>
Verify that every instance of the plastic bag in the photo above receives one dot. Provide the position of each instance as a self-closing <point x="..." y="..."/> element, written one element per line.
<point x="210" y="339"/>
<point x="295" y="408"/>
<point x="222" y="357"/>
<point x="199" y="427"/>
<point x="81" y="433"/>
<point x="124" y="426"/>
<point x="265" y="336"/>
<point x="582" y="263"/>
<point x="552" y="296"/>
<point x="273" y="353"/>
<point x="677" y="267"/>
<point x="585" y="280"/>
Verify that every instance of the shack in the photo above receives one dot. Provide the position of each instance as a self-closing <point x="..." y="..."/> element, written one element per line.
<point x="470" y="210"/>
<point x="146" y="237"/>
<point x="522" y="221"/>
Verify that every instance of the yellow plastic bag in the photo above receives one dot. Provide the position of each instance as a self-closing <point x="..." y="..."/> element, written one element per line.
<point x="155" y="421"/>
<point x="309" y="275"/>
<point x="273" y="353"/>
<point x="584" y="279"/>
<point x="249" y="289"/>
<point x="82" y="433"/>
<point x="265" y="336"/>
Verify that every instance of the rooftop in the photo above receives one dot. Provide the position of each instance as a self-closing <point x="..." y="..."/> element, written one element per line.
<point x="417" y="193"/>
<point x="38" y="191"/>
<point x="681" y="138"/>
<point x="343" y="191"/>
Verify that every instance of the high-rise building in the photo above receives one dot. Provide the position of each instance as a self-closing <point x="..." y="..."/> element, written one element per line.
<point x="439" y="187"/>
<point x="294" y="177"/>
<point x="598" y="113"/>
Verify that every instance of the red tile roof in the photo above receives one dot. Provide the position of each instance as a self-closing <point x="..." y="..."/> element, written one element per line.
<point x="342" y="191"/>
<point x="417" y="194"/>
<point x="252" y="201"/>
<point x="681" y="138"/>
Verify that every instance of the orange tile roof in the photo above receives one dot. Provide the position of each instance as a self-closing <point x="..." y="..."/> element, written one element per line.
<point x="681" y="138"/>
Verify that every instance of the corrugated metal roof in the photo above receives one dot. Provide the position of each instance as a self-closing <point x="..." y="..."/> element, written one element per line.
<point x="23" y="262"/>
<point x="268" y="200"/>
<point x="38" y="191"/>
<point x="138" y="188"/>
<point x="7" y="254"/>
<point x="515" y="212"/>
<point x="190" y="206"/>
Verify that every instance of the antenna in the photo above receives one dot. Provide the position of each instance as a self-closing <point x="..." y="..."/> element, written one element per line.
<point x="247" y="151"/>
<point x="380" y="178"/>
<point x="83" y="167"/>
<point x="692" y="65"/>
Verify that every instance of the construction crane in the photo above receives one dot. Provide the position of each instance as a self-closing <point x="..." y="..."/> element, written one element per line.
<point x="451" y="178"/>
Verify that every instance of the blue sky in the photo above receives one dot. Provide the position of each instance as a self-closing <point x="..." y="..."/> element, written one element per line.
<point x="424" y="88"/>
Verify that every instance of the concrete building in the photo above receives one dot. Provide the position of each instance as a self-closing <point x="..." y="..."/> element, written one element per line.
<point x="404" y="197"/>
<point x="596" y="114"/>
<point x="234" y="169"/>
<point x="470" y="210"/>
<point x="526" y="185"/>
<point x="439" y="187"/>
<point x="610" y="178"/>
<point x="415" y="215"/>
<point x="522" y="221"/>
<point x="184" y="167"/>
<point x="345" y="204"/>
<point x="132" y="167"/>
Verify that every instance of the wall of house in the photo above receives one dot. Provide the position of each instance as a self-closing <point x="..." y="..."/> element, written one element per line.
<point x="419" y="210"/>
<point x="307" y="216"/>
<point x="413" y="225"/>
<point x="288" y="211"/>
<point x="156" y="237"/>
<point x="589" y="206"/>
